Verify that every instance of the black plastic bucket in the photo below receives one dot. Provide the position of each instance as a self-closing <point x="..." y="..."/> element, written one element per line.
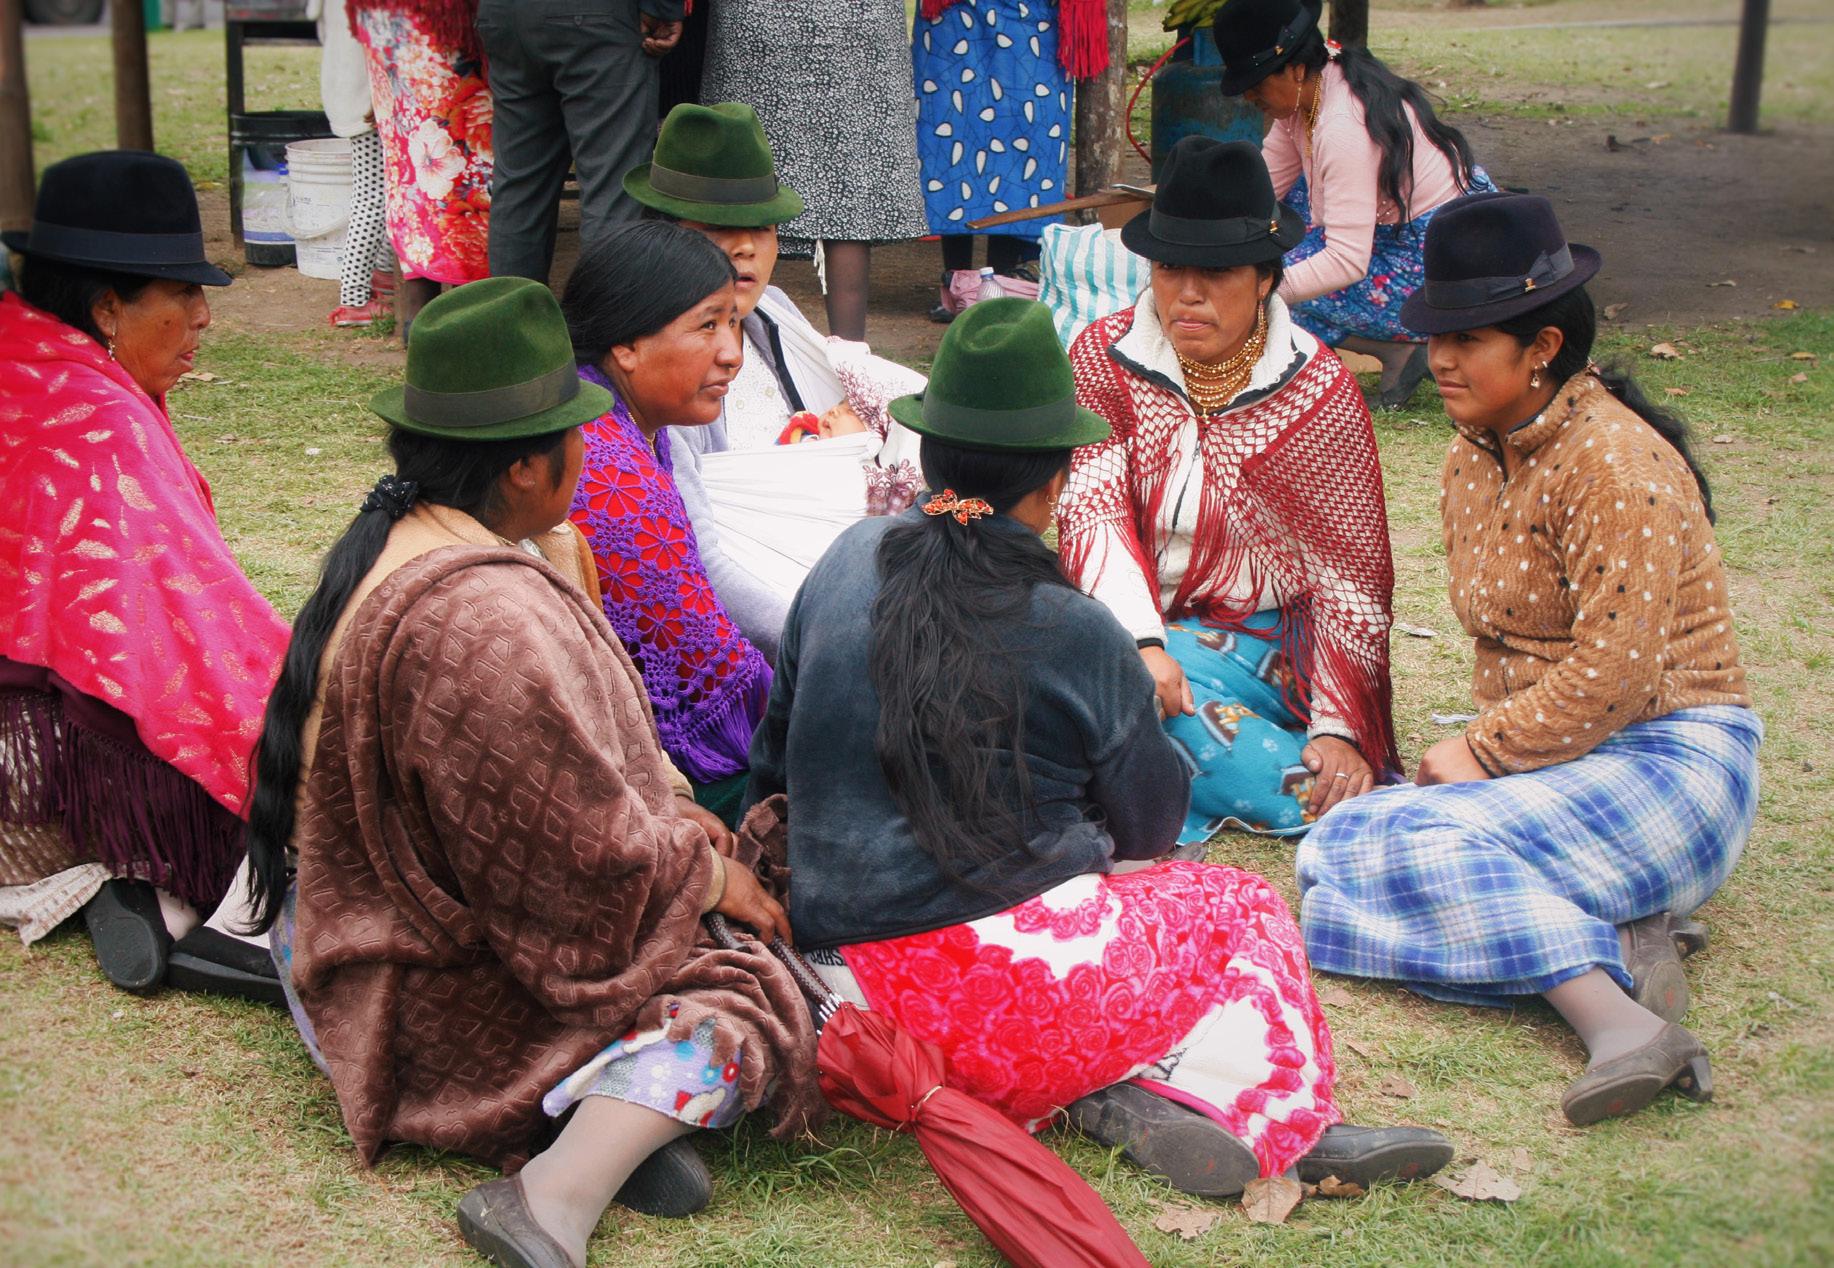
<point x="260" y="138"/>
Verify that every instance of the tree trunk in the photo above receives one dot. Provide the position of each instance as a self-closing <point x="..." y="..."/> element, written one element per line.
<point x="1350" y="21"/>
<point x="1748" y="70"/>
<point x="1101" y="110"/>
<point x="16" y="176"/>
<point x="133" y="95"/>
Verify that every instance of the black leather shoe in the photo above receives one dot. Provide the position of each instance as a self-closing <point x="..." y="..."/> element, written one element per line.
<point x="129" y="934"/>
<point x="494" y="1220"/>
<point x="1405" y="384"/>
<point x="1364" y="1155"/>
<point x="671" y="1182"/>
<point x="213" y="962"/>
<point x="1181" y="1146"/>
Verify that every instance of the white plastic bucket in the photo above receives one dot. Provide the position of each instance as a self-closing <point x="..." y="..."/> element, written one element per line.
<point x="318" y="203"/>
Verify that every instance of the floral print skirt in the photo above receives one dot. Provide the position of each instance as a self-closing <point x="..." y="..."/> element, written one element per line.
<point x="433" y="113"/>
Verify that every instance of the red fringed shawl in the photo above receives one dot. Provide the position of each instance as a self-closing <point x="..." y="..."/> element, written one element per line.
<point x="1082" y="33"/>
<point x="449" y="24"/>
<point x="113" y="571"/>
<point x="1292" y="495"/>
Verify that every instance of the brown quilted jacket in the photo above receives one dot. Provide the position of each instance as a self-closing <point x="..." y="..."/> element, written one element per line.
<point x="493" y="881"/>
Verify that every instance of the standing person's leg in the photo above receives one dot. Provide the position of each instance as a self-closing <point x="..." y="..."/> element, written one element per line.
<point x="607" y="92"/>
<point x="356" y="282"/>
<point x="527" y="136"/>
<point x="849" y="272"/>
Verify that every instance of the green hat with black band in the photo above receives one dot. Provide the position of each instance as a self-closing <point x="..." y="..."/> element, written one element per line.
<point x="1001" y="381"/>
<point x="713" y="165"/>
<point x="491" y="360"/>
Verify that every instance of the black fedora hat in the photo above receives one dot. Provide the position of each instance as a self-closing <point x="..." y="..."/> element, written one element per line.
<point x="1490" y="257"/>
<point x="122" y="211"/>
<point x="1258" y="37"/>
<point x="1214" y="209"/>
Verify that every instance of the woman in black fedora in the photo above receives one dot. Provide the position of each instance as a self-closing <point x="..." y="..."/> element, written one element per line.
<point x="1234" y="520"/>
<point x="1605" y="790"/>
<point x="976" y="780"/>
<point x="134" y="653"/>
<point x="1359" y="154"/>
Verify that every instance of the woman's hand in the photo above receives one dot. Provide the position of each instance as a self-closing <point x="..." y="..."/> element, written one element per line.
<point x="1339" y="772"/>
<point x="1450" y="761"/>
<point x="841" y="421"/>
<point x="746" y="902"/>
<point x="659" y="36"/>
<point x="1168" y="682"/>
<point x="708" y="822"/>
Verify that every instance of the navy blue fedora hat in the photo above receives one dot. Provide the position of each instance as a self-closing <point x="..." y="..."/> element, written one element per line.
<point x="1490" y="257"/>
<point x="1214" y="209"/>
<point x="121" y="211"/>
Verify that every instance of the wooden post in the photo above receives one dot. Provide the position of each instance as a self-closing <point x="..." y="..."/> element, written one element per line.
<point x="1101" y="106"/>
<point x="1748" y="69"/>
<point x="133" y="94"/>
<point x="1350" y="21"/>
<point x="16" y="173"/>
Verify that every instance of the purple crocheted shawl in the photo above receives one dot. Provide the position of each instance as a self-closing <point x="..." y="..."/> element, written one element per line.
<point x="707" y="684"/>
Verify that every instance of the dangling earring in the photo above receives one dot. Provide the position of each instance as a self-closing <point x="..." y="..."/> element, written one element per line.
<point x="1534" y="380"/>
<point x="110" y="339"/>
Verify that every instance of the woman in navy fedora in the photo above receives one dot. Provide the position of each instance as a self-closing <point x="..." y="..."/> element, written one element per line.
<point x="1234" y="520"/>
<point x="1606" y="787"/>
<point x="135" y="656"/>
<point x="1359" y="154"/>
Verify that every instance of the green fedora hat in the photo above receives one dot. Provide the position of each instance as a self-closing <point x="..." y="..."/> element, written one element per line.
<point x="491" y="360"/>
<point x="713" y="165"/>
<point x="1001" y="381"/>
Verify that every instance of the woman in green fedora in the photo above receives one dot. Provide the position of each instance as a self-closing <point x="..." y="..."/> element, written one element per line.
<point x="976" y="782"/>
<point x="495" y="924"/>
<point x="765" y="505"/>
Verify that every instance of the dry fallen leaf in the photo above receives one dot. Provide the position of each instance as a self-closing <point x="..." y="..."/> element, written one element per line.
<point x="1396" y="1086"/>
<point x="1801" y="356"/>
<point x="1612" y="311"/>
<point x="1189" y="1222"/>
<point x="1271" y="1200"/>
<point x="1361" y="1050"/>
<point x="1521" y="1160"/>
<point x="1724" y="438"/>
<point x="198" y="376"/>
<point x="1657" y="83"/>
<point x="1665" y="352"/>
<point x="1676" y="391"/>
<point x="1332" y="1187"/>
<point x="1727" y="282"/>
<point x="1336" y="996"/>
<point x="1480" y="1183"/>
<point x="1798" y="378"/>
<point x="1416" y="631"/>
<point x="1786" y="304"/>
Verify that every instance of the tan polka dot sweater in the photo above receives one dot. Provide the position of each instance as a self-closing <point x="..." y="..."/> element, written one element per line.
<point x="1590" y="580"/>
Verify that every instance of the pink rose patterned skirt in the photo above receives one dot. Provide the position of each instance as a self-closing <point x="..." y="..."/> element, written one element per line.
<point x="1188" y="978"/>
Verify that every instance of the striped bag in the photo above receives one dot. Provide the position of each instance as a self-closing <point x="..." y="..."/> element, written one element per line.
<point x="1088" y="274"/>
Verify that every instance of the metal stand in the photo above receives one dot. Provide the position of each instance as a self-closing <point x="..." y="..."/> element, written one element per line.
<point x="262" y="22"/>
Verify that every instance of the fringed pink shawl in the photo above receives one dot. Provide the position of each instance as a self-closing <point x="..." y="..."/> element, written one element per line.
<point x="114" y="572"/>
<point x="1082" y="33"/>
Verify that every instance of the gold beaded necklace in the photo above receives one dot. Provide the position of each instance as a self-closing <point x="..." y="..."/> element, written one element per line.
<point x="1211" y="387"/>
<point x="1311" y="111"/>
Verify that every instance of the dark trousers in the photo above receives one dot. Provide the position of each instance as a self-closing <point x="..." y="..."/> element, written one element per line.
<point x="568" y="79"/>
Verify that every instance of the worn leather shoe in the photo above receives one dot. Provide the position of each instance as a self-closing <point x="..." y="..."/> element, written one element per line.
<point x="494" y="1220"/>
<point x="672" y="1182"/>
<point x="211" y="961"/>
<point x="1405" y="385"/>
<point x="1181" y="1146"/>
<point x="1626" y="1084"/>
<point x="129" y="933"/>
<point x="1652" y="955"/>
<point x="1364" y="1155"/>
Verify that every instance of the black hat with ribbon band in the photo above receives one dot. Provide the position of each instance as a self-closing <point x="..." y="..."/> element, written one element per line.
<point x="1258" y="37"/>
<point x="713" y="165"/>
<point x="1490" y="257"/>
<point x="491" y="360"/>
<point x="1214" y="209"/>
<point x="120" y="211"/>
<point x="1001" y="380"/>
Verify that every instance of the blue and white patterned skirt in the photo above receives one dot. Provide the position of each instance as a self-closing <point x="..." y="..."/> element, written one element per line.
<point x="1479" y="892"/>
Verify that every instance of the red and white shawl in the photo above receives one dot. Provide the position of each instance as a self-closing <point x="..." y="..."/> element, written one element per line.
<point x="114" y="572"/>
<point x="1292" y="498"/>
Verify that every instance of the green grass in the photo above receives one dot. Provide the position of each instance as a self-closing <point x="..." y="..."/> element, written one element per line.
<point x="182" y="1129"/>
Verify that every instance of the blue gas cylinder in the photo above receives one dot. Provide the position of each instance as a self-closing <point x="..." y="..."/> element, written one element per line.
<point x="1188" y="101"/>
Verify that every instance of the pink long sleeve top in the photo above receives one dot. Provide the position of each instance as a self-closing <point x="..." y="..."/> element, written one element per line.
<point x="1340" y="172"/>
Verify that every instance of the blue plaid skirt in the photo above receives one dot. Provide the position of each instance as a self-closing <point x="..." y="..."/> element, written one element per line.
<point x="1372" y="307"/>
<point x="1476" y="893"/>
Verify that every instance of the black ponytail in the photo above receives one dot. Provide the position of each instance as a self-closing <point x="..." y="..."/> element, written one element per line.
<point x="951" y="705"/>
<point x="1574" y="316"/>
<point x="463" y="475"/>
<point x="1386" y="99"/>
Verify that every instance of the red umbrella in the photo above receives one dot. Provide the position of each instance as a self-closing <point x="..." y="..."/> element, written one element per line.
<point x="1031" y="1205"/>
